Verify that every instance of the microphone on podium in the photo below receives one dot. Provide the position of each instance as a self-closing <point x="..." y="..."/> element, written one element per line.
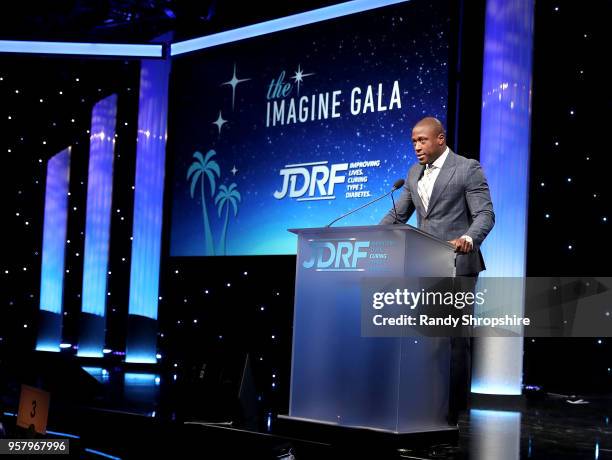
<point x="398" y="183"/>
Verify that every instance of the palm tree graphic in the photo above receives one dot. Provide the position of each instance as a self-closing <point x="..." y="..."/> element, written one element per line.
<point x="199" y="168"/>
<point x="226" y="196"/>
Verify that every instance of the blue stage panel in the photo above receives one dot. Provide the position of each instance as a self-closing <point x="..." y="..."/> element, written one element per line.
<point x="504" y="154"/>
<point x="54" y="244"/>
<point x="99" y="196"/>
<point x="148" y="208"/>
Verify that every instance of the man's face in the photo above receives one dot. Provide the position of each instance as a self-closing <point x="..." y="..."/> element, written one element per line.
<point x="428" y="145"/>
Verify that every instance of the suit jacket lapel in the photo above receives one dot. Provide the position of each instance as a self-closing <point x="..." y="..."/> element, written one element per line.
<point x="444" y="176"/>
<point x="418" y="173"/>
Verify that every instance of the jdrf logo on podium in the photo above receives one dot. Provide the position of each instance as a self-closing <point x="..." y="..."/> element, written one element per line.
<point x="337" y="255"/>
<point x="315" y="180"/>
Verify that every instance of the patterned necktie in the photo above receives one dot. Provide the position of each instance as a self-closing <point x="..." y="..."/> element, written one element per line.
<point x="425" y="186"/>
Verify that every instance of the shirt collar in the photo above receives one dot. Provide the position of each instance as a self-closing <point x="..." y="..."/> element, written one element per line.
<point x="441" y="159"/>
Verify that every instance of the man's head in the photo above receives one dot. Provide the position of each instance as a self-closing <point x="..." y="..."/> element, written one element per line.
<point x="429" y="140"/>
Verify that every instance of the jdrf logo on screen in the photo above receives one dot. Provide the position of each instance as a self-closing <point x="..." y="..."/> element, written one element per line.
<point x="340" y="255"/>
<point x="311" y="181"/>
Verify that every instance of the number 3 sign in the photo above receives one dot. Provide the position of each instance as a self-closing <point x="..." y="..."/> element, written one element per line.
<point x="33" y="409"/>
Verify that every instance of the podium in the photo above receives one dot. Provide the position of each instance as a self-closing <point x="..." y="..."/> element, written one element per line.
<point x="397" y="385"/>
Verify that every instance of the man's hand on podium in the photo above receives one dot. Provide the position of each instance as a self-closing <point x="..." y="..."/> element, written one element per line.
<point x="463" y="245"/>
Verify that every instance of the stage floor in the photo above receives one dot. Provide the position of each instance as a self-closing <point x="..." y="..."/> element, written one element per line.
<point x="145" y="413"/>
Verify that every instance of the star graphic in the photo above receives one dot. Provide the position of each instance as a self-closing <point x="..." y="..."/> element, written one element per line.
<point x="233" y="83"/>
<point x="299" y="76"/>
<point x="219" y="122"/>
<point x="234" y="170"/>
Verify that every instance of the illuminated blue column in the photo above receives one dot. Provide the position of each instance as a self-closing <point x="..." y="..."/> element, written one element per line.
<point x="53" y="251"/>
<point x="148" y="210"/>
<point x="495" y="434"/>
<point x="504" y="154"/>
<point x="97" y="227"/>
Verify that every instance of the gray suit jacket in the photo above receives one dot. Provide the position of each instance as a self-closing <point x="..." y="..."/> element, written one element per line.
<point x="460" y="204"/>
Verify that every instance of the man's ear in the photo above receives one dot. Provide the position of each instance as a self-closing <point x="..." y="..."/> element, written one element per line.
<point x="441" y="139"/>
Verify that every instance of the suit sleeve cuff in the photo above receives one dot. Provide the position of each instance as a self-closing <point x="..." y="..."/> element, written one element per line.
<point x="468" y="239"/>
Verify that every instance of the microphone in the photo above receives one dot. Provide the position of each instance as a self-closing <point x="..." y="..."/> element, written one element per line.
<point x="398" y="183"/>
<point x="394" y="208"/>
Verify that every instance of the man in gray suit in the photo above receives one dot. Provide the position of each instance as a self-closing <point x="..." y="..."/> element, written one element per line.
<point x="449" y="193"/>
<point x="451" y="196"/>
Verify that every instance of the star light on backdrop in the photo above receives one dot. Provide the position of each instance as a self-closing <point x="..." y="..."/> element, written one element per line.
<point x="234" y="82"/>
<point x="299" y="77"/>
<point x="219" y="122"/>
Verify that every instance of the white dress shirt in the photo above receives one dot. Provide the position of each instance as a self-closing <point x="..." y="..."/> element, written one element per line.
<point x="426" y="183"/>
